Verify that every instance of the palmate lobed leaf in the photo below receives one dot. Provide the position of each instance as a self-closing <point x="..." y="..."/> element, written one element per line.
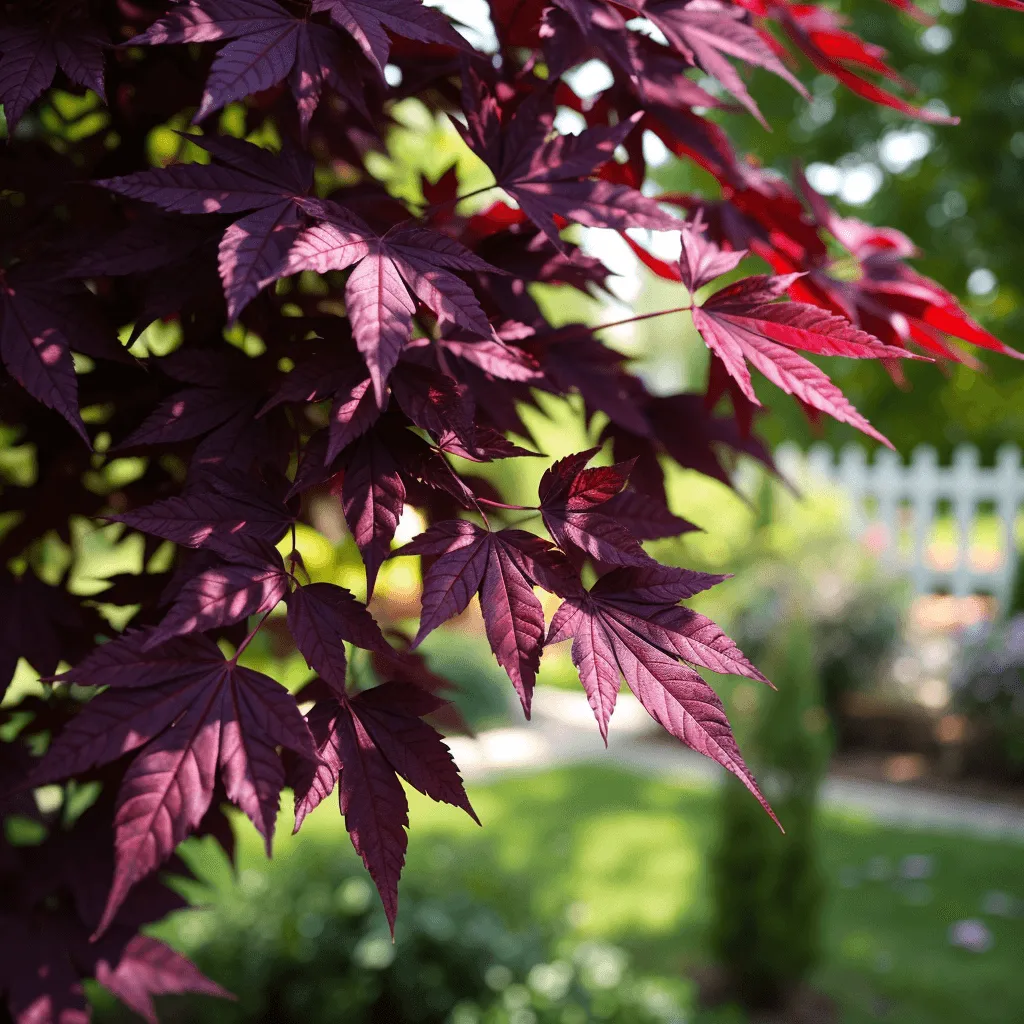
<point x="366" y="742"/>
<point x="503" y="567"/>
<point x="741" y="323"/>
<point x="611" y="643"/>
<point x="192" y="717"/>
<point x="390" y="272"/>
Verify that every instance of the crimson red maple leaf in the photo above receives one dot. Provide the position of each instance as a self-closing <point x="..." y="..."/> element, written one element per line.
<point x="895" y="302"/>
<point x="620" y="629"/>
<point x="191" y="715"/>
<point x="742" y="323"/>
<point x="367" y="742"/>
<point x="388" y="270"/>
<point x="503" y="567"/>
<point x="818" y="32"/>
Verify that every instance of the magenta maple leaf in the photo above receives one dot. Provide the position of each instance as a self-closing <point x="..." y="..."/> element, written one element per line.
<point x="388" y="271"/>
<point x="742" y="323"/>
<point x="321" y="618"/>
<point x="368" y="741"/>
<point x="253" y="250"/>
<point x="553" y="177"/>
<point x="267" y="45"/>
<point x="504" y="567"/>
<point x="31" y="54"/>
<point x="574" y="506"/>
<point x="192" y="716"/>
<point x="147" y="968"/>
<point x="611" y="642"/>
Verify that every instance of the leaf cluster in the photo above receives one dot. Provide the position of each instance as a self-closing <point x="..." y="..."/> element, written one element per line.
<point x="219" y="328"/>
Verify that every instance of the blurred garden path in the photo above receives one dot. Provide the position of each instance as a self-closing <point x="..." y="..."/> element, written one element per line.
<point x="563" y="731"/>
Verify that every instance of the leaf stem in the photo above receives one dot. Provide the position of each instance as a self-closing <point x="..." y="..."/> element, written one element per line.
<point x="429" y="211"/>
<point x="501" y="504"/>
<point x="641" y="316"/>
<point x="245" y="643"/>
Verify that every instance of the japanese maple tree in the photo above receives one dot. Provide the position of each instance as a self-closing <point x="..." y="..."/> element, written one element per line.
<point x="218" y="315"/>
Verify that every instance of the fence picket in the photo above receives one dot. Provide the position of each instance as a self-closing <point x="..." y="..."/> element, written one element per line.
<point x="922" y="485"/>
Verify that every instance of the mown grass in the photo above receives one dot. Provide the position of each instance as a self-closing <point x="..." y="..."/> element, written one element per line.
<point x="600" y="852"/>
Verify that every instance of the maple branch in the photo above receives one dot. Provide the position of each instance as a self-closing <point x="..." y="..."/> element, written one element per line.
<point x="641" y="316"/>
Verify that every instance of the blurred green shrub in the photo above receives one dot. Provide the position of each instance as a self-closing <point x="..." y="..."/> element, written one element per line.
<point x="988" y="688"/>
<point x="768" y="888"/>
<point x="306" y="943"/>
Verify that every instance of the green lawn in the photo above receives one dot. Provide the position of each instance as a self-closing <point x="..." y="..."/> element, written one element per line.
<point x="612" y="855"/>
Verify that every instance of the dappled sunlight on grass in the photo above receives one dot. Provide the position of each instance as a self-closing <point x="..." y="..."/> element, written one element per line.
<point x="618" y="898"/>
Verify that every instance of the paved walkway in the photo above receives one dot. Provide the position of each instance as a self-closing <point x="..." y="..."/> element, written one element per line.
<point x="563" y="731"/>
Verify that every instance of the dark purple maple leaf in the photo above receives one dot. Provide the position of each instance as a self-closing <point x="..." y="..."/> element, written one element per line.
<point x="611" y="642"/>
<point x="552" y="177"/>
<point x="321" y="618"/>
<point x="369" y="22"/>
<point x="192" y="716"/>
<point x="503" y="567"/>
<point x="254" y="249"/>
<point x="43" y="624"/>
<point x="31" y="53"/>
<point x="372" y="497"/>
<point x="368" y="741"/>
<point x="35" y="346"/>
<point x="648" y="518"/>
<point x="224" y="511"/>
<point x="267" y="45"/>
<point x="388" y="272"/>
<point x="424" y="349"/>
<point x="224" y="594"/>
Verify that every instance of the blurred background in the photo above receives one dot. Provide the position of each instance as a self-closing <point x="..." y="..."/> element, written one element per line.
<point x="636" y="885"/>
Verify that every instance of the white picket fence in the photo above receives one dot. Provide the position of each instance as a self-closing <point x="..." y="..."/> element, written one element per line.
<point x="900" y="504"/>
